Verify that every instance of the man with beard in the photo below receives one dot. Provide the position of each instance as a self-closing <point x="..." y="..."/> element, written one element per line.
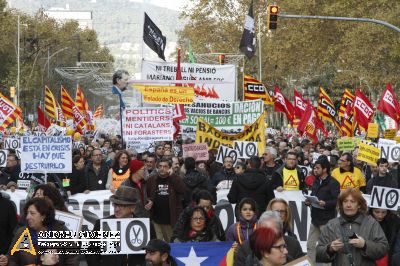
<point x="289" y="176"/>
<point x="327" y="190"/>
<point x="227" y="172"/>
<point x="348" y="175"/>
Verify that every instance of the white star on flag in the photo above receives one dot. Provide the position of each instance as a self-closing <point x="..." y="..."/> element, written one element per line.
<point x="192" y="259"/>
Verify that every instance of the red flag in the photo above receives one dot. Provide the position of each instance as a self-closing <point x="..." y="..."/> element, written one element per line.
<point x="307" y="123"/>
<point x="43" y="122"/>
<point x="363" y="110"/>
<point x="299" y="104"/>
<point x="283" y="105"/>
<point x="389" y="104"/>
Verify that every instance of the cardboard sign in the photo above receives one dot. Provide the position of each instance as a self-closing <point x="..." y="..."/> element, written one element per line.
<point x="368" y="154"/>
<point x="390" y="133"/>
<point x="346" y="144"/>
<point x="145" y="125"/>
<point x="135" y="234"/>
<point x="391" y="153"/>
<point x="373" y="130"/>
<point x="3" y="158"/>
<point x="72" y="222"/>
<point x="246" y="149"/>
<point x="197" y="151"/>
<point x="385" y="198"/>
<point x="224" y="151"/>
<point x="14" y="144"/>
<point x="46" y="154"/>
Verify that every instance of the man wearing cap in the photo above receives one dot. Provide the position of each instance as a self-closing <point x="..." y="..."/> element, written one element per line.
<point x="124" y="201"/>
<point x="158" y="253"/>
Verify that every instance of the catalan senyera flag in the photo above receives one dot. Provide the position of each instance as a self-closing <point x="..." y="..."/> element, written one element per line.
<point x="66" y="104"/>
<point x="79" y="119"/>
<point x="84" y="108"/>
<point x="8" y="113"/>
<point x="347" y="99"/>
<point x="254" y="89"/>
<point x="346" y="114"/>
<point x="99" y="111"/>
<point x="326" y="109"/>
<point x="50" y="104"/>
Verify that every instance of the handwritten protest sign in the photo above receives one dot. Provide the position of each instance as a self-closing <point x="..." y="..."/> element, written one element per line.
<point x="390" y="133"/>
<point x="145" y="125"/>
<point x="246" y="149"/>
<point x="368" y="154"/>
<point x="224" y="151"/>
<point x="197" y="151"/>
<point x="373" y="130"/>
<point x="46" y="154"/>
<point x="346" y="144"/>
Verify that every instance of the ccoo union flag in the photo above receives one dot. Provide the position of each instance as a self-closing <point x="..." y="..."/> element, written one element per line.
<point x="201" y="253"/>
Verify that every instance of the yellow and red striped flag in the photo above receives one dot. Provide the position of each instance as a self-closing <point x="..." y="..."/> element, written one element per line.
<point x="346" y="114"/>
<point x="99" y="112"/>
<point x="347" y="99"/>
<point x="254" y="89"/>
<point x="326" y="109"/>
<point x="79" y="119"/>
<point x="84" y="108"/>
<point x="8" y="113"/>
<point x="66" y="104"/>
<point x="50" y="104"/>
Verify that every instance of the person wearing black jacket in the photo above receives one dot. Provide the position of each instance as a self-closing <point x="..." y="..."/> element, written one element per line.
<point x="326" y="189"/>
<point x="383" y="178"/>
<point x="96" y="172"/>
<point x="75" y="182"/>
<point x="8" y="221"/>
<point x="252" y="184"/>
<point x="193" y="179"/>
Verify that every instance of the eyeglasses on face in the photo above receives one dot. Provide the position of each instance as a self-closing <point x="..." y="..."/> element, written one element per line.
<point x="198" y="219"/>
<point x="280" y="247"/>
<point x="280" y="211"/>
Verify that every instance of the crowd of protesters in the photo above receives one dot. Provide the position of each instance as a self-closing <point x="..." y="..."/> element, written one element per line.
<point x="178" y="195"/>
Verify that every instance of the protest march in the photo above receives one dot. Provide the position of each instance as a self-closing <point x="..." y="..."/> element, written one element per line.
<point x="205" y="171"/>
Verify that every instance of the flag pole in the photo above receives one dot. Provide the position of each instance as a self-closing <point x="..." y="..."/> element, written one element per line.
<point x="259" y="48"/>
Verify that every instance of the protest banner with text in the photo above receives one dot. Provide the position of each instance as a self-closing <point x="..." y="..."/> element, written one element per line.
<point x="166" y="94"/>
<point x="201" y="74"/>
<point x="197" y="151"/>
<point x="368" y="153"/>
<point x="346" y="144"/>
<point x="229" y="117"/>
<point x="207" y="133"/>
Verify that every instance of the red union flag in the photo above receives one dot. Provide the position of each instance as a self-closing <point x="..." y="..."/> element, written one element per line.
<point x="363" y="109"/>
<point x="283" y="105"/>
<point x="389" y="104"/>
<point x="8" y="112"/>
<point x="307" y="123"/>
<point x="79" y="119"/>
<point x="299" y="104"/>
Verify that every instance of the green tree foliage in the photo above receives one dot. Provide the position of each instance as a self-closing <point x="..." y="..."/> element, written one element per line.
<point x="43" y="41"/>
<point x="305" y="53"/>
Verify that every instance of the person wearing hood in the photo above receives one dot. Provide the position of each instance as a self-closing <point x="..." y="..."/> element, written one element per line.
<point x="252" y="184"/>
<point x="241" y="230"/>
<point x="193" y="179"/>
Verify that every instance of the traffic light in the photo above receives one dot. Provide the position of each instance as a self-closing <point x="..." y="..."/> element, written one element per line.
<point x="221" y="59"/>
<point x="273" y="11"/>
<point x="12" y="92"/>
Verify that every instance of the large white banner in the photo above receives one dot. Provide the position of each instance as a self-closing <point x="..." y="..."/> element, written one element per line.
<point x="46" y="154"/>
<point x="145" y="125"/>
<point x="204" y="75"/>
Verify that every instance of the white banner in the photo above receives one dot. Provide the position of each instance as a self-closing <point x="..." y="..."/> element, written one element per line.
<point x="385" y="198"/>
<point x="46" y="154"/>
<point x="145" y="125"/>
<point x="200" y="73"/>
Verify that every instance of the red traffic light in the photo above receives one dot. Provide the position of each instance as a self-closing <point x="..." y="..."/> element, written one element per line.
<point x="221" y="59"/>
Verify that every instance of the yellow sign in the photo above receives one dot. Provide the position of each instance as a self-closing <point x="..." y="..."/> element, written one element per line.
<point x="206" y="133"/>
<point x="397" y="139"/>
<point x="368" y="154"/>
<point x="166" y="94"/>
<point x="373" y="130"/>
<point x="390" y="133"/>
<point x="24" y="243"/>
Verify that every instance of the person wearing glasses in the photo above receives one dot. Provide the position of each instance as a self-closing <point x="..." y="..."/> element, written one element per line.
<point x="124" y="202"/>
<point x="196" y="227"/>
<point x="353" y="238"/>
<point x="285" y="213"/>
<point x="226" y="174"/>
<point x="269" y="247"/>
<point x="96" y="172"/>
<point x="348" y="175"/>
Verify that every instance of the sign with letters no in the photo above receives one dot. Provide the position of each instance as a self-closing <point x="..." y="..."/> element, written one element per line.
<point x="385" y="198"/>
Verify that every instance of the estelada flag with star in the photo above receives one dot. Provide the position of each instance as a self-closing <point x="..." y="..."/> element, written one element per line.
<point x="202" y="253"/>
